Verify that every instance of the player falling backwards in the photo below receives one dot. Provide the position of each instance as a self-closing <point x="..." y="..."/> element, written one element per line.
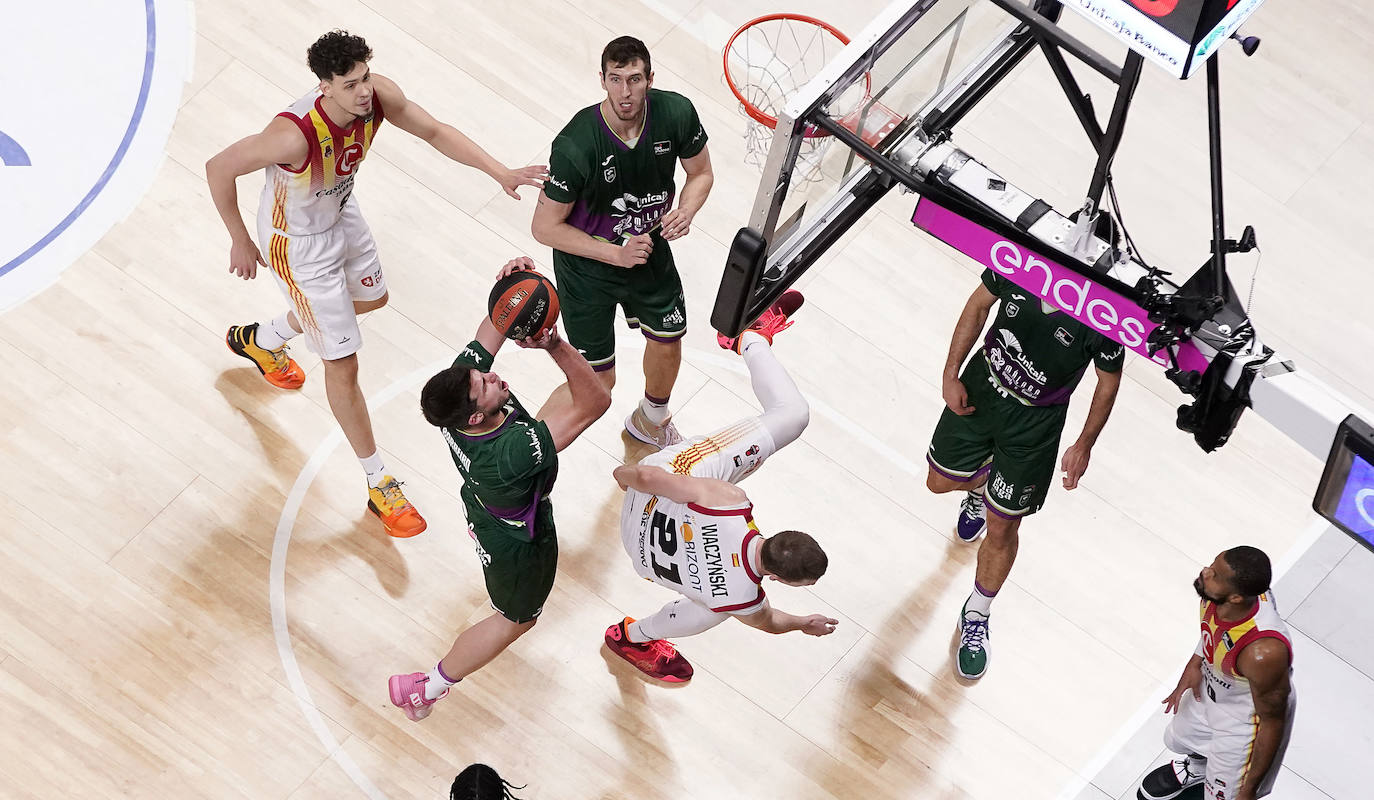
<point x="687" y="526"/>
<point x="319" y="247"/>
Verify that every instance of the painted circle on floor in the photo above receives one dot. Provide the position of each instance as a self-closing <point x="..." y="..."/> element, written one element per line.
<point x="89" y="124"/>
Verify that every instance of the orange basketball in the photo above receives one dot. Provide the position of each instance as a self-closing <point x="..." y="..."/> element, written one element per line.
<point x="523" y="304"/>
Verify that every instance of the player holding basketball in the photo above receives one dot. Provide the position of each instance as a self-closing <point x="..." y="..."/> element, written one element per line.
<point x="687" y="526"/>
<point x="1234" y="703"/>
<point x="607" y="212"/>
<point x="508" y="460"/>
<point x="320" y="248"/>
<point x="998" y="436"/>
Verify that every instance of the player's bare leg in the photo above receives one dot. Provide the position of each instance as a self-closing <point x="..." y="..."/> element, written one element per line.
<point x="995" y="557"/>
<point x="384" y="497"/>
<point x="417" y="692"/>
<point x="972" y="513"/>
<point x="651" y="421"/>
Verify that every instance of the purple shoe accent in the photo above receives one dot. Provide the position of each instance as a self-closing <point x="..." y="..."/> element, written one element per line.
<point x="972" y="518"/>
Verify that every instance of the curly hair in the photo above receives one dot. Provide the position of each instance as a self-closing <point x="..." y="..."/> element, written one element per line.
<point x="335" y="53"/>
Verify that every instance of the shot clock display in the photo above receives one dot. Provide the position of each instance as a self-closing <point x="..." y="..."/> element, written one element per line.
<point x="1345" y="495"/>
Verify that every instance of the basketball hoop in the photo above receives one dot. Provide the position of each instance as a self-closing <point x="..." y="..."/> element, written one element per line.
<point x="768" y="59"/>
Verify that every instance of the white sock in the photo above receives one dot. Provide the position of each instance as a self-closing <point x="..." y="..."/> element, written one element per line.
<point x="977" y="601"/>
<point x="636" y="633"/>
<point x="276" y="333"/>
<point x="374" y="468"/>
<point x="657" y="413"/>
<point x="437" y="684"/>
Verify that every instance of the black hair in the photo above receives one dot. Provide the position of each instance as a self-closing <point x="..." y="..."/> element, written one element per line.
<point x="793" y="556"/>
<point x="335" y="53"/>
<point x="481" y="782"/>
<point x="624" y="49"/>
<point x="1250" y="570"/>
<point x="446" y="400"/>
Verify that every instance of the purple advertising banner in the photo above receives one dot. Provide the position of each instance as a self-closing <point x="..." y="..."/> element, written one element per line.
<point x="1097" y="307"/>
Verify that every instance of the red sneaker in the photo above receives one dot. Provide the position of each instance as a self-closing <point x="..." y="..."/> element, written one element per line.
<point x="658" y="659"/>
<point x="774" y="320"/>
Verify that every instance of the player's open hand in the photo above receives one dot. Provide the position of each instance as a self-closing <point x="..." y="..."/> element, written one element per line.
<point x="676" y="224"/>
<point x="1191" y="681"/>
<point x="517" y="264"/>
<point x="819" y="625"/>
<point x="1075" y="463"/>
<point x="244" y="258"/>
<point x="634" y="251"/>
<point x="956" y="397"/>
<point x="546" y="339"/>
<point x="513" y="179"/>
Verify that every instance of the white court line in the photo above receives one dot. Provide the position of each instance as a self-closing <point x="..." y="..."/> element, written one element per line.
<point x="1128" y="730"/>
<point x="276" y="583"/>
<point x="287" y="522"/>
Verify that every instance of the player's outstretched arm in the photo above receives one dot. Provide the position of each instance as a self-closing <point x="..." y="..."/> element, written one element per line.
<point x="280" y="142"/>
<point x="772" y="620"/>
<point x="678" y="222"/>
<point x="1075" y="461"/>
<point x="569" y="413"/>
<point x="1265" y="663"/>
<point x="709" y="492"/>
<point x="966" y="330"/>
<point x="411" y="118"/>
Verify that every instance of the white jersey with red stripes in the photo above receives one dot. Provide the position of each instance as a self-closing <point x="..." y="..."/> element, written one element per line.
<point x="700" y="552"/>
<point x="1227" y="700"/>
<point x="311" y="199"/>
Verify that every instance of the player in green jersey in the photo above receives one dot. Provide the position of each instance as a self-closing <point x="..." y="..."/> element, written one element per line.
<point x="607" y="211"/>
<point x="998" y="437"/>
<point x="508" y="459"/>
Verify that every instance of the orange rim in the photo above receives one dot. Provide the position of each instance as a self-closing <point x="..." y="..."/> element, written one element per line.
<point x="754" y="112"/>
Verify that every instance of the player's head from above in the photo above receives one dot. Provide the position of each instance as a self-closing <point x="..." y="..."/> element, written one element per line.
<point x="1238" y="576"/>
<point x="339" y="59"/>
<point x="481" y="782"/>
<point x="793" y="558"/>
<point x="626" y="75"/>
<point x="464" y="398"/>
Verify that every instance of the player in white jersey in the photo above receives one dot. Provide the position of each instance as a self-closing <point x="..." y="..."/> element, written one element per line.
<point x="688" y="527"/>
<point x="319" y="248"/>
<point x="1235" y="702"/>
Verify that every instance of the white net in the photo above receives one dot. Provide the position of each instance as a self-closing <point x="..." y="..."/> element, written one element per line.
<point x="766" y="62"/>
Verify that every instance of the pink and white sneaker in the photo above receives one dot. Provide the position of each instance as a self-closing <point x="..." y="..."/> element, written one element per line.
<point x="408" y="694"/>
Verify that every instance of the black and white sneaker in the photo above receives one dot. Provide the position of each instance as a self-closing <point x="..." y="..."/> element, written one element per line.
<point x="1171" y="780"/>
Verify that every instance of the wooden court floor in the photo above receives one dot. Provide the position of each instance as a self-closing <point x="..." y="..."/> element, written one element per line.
<point x="156" y="492"/>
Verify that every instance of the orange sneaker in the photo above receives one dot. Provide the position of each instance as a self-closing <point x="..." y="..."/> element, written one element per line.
<point x="773" y="320"/>
<point x="390" y="505"/>
<point x="658" y="659"/>
<point x="276" y="366"/>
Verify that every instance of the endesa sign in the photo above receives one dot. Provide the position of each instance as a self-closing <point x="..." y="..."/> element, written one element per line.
<point x="1099" y="308"/>
<point x="1178" y="35"/>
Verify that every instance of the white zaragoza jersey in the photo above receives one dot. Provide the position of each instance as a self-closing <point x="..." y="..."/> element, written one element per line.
<point x="311" y="199"/>
<point x="698" y="551"/>
<point x="1228" y="696"/>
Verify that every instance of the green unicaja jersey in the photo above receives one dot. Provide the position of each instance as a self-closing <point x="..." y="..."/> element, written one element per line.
<point x="507" y="472"/>
<point x="618" y="190"/>
<point x="1036" y="356"/>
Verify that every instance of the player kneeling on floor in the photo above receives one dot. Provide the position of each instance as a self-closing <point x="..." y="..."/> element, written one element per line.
<point x="687" y="526"/>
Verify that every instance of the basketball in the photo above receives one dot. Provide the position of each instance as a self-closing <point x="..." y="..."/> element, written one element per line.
<point x="522" y="304"/>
